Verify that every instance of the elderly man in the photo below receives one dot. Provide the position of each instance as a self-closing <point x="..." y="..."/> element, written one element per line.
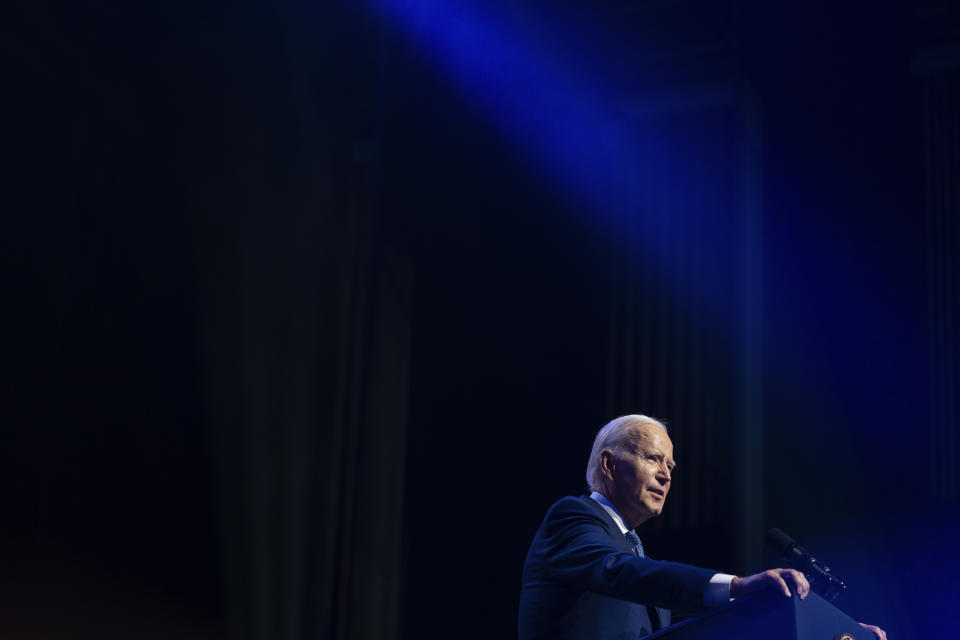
<point x="586" y="576"/>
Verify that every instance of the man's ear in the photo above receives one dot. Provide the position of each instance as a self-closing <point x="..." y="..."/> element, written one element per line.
<point x="606" y="462"/>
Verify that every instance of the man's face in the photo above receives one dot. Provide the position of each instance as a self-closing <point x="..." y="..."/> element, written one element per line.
<point x="639" y="476"/>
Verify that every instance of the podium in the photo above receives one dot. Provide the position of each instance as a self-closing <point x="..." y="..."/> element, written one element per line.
<point x="769" y="616"/>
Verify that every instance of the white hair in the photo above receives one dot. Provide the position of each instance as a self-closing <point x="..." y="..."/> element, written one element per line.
<point x="615" y="435"/>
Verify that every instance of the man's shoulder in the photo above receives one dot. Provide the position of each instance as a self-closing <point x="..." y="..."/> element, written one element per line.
<point x="577" y="506"/>
<point x="574" y="503"/>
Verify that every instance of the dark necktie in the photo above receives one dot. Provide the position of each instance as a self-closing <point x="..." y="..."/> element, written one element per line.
<point x="634" y="541"/>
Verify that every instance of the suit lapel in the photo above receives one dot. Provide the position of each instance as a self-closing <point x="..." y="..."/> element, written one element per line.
<point x="612" y="529"/>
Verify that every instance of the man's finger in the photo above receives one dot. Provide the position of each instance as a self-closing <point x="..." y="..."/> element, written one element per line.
<point x="783" y="583"/>
<point x="877" y="631"/>
<point x="800" y="581"/>
<point x="803" y="587"/>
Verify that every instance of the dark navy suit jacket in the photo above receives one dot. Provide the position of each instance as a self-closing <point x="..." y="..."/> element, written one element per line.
<point x="582" y="581"/>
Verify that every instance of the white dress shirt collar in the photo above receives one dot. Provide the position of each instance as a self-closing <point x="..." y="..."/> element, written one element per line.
<point x="598" y="497"/>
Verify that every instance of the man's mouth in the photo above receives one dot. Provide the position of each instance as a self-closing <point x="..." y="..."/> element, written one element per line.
<point x="659" y="492"/>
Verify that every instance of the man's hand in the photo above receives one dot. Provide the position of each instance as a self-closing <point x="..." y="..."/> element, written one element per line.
<point x="771" y="578"/>
<point x="877" y="631"/>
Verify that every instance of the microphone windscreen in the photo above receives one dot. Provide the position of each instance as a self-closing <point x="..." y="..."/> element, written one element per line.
<point x="779" y="541"/>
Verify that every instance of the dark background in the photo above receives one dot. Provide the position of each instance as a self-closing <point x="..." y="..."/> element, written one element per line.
<point x="303" y="335"/>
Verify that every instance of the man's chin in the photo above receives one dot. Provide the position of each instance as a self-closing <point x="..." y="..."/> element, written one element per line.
<point x="648" y="514"/>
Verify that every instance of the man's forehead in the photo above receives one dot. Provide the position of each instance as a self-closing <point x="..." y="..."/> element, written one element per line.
<point x="652" y="435"/>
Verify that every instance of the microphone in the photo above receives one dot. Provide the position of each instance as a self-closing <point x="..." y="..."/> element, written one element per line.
<point x="827" y="585"/>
